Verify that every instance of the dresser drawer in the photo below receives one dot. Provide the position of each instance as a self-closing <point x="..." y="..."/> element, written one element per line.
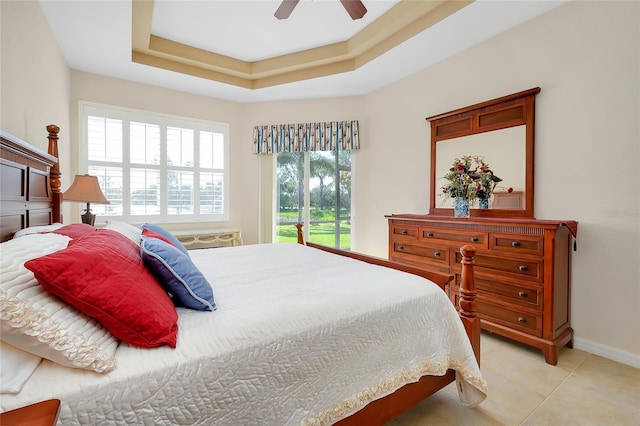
<point x="519" y="268"/>
<point x="529" y="322"/>
<point x="458" y="237"/>
<point x="515" y="292"/>
<point x="404" y="231"/>
<point x="433" y="254"/>
<point x="510" y="243"/>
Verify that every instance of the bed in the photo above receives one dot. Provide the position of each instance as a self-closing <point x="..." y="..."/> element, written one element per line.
<point x="284" y="334"/>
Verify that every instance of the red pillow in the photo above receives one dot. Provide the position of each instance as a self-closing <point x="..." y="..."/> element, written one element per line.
<point x="151" y="234"/>
<point x="103" y="276"/>
<point x="73" y="231"/>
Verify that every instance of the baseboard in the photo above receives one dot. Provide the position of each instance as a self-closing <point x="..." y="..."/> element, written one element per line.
<point x="607" y="352"/>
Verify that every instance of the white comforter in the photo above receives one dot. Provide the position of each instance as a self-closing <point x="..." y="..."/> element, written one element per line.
<point x="300" y="337"/>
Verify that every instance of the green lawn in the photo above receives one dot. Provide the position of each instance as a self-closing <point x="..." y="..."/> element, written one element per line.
<point x="322" y="233"/>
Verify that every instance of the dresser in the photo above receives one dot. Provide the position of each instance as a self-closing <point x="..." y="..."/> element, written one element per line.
<point x="523" y="270"/>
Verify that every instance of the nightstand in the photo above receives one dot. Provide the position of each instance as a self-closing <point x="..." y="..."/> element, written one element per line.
<point x="43" y="413"/>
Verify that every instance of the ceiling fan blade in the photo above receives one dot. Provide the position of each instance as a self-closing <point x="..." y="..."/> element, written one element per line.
<point x="285" y="9"/>
<point x="354" y="8"/>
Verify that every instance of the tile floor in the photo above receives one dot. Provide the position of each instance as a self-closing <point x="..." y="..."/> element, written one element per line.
<point x="583" y="389"/>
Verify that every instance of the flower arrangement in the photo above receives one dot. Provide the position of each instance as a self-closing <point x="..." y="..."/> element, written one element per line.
<point x="470" y="177"/>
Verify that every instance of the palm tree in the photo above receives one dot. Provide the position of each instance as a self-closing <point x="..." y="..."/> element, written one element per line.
<point x="321" y="167"/>
<point x="290" y="176"/>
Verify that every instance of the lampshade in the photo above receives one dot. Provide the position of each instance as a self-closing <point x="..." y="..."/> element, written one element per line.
<point x="85" y="189"/>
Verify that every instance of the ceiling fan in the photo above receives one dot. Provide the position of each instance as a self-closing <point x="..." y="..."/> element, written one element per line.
<point x="354" y="8"/>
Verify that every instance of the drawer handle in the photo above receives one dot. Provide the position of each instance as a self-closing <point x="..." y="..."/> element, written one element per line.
<point x="429" y="234"/>
<point x="523" y="268"/>
<point x="522" y="320"/>
<point x="404" y="232"/>
<point x="516" y="243"/>
<point x="523" y="294"/>
<point x="474" y="239"/>
<point x="400" y="248"/>
<point x="436" y="253"/>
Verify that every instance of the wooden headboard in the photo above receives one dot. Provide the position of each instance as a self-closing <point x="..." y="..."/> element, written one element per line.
<point x="29" y="184"/>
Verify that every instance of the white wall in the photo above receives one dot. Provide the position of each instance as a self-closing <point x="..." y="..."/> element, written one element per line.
<point x="585" y="56"/>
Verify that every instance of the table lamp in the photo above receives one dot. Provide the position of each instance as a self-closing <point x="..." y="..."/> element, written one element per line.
<point x="85" y="189"/>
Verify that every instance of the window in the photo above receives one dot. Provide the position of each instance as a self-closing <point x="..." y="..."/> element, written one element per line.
<point x="314" y="188"/>
<point x="156" y="167"/>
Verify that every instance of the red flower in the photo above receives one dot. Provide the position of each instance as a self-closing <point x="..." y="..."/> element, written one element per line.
<point x="460" y="167"/>
<point x="444" y="190"/>
<point x="479" y="187"/>
<point x="510" y="190"/>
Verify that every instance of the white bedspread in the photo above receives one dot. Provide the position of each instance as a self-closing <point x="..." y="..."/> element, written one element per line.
<point x="300" y="336"/>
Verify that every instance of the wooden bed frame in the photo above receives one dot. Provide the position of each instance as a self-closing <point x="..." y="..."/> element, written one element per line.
<point x="30" y="179"/>
<point x="382" y="410"/>
<point x="30" y="195"/>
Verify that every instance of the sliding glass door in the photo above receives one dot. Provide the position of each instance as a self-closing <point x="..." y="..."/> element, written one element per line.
<point x="314" y="188"/>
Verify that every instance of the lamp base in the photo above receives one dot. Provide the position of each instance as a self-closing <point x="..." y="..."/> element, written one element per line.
<point x="88" y="218"/>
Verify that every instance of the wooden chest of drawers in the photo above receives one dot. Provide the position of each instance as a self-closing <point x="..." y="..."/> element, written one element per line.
<point x="522" y="270"/>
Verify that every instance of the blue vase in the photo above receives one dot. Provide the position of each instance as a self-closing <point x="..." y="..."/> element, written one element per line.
<point x="483" y="203"/>
<point x="461" y="207"/>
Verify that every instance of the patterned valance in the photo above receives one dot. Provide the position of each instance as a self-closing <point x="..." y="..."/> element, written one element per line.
<point x="323" y="136"/>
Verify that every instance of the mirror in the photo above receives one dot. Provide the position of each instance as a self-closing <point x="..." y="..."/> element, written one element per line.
<point x="502" y="150"/>
<point x="500" y="132"/>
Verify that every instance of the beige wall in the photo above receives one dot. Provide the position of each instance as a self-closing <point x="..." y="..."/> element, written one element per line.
<point x="111" y="91"/>
<point x="335" y="109"/>
<point x="248" y="204"/>
<point x="34" y="78"/>
<point x="584" y="56"/>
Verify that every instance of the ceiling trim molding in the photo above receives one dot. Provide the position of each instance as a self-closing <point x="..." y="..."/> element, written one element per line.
<point x="400" y="23"/>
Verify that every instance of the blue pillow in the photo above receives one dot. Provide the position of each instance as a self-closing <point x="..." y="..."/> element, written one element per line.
<point x="168" y="235"/>
<point x="177" y="274"/>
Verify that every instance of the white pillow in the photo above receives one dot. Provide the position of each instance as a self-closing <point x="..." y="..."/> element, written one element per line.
<point x="35" y="321"/>
<point x="126" y="229"/>
<point x="16" y="367"/>
<point x="37" y="229"/>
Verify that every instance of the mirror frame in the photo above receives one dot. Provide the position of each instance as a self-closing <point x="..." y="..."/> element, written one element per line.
<point x="500" y="113"/>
